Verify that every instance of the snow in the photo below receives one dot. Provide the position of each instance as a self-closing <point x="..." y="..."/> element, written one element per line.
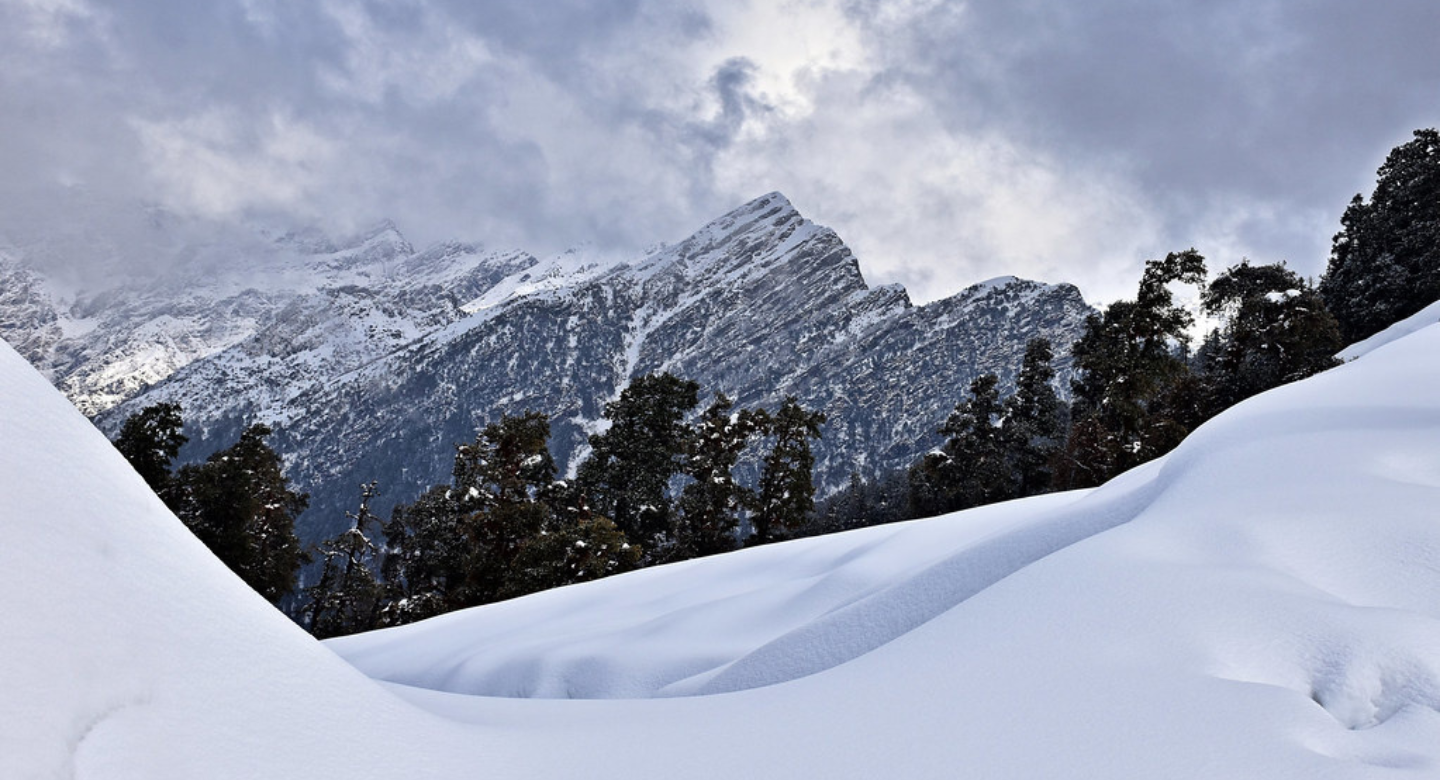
<point x="1261" y="603"/>
<point x="1423" y="318"/>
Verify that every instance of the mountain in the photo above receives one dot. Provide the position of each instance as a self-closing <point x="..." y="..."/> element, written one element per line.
<point x="372" y="359"/>
<point x="1264" y="602"/>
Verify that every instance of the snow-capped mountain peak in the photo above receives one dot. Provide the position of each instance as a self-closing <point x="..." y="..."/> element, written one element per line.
<point x="372" y="358"/>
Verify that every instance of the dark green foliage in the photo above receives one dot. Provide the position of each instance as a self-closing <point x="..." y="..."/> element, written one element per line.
<point x="1277" y="330"/>
<point x="971" y="468"/>
<point x="1385" y="261"/>
<point x="882" y="499"/>
<point x="239" y="503"/>
<point x="454" y="546"/>
<point x="348" y="597"/>
<point x="428" y="557"/>
<point x="786" y="496"/>
<point x="503" y="527"/>
<point x="570" y="551"/>
<point x="1034" y="422"/>
<point x="150" y="439"/>
<point x="1131" y="361"/>
<point x="632" y="463"/>
<point x="994" y="450"/>
<point x="710" y="505"/>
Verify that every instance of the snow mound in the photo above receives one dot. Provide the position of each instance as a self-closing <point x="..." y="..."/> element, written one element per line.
<point x="1265" y="600"/>
<point x="127" y="650"/>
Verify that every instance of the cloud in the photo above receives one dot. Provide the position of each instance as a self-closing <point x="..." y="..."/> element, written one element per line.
<point x="946" y="141"/>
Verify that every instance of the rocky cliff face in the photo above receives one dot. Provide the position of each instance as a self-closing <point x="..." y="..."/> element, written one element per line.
<point x="372" y="359"/>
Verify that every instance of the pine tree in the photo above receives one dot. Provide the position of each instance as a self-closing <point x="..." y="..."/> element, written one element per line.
<point x="1034" y="424"/>
<point x="710" y="504"/>
<point x="883" y="498"/>
<point x="1130" y="361"/>
<point x="1385" y="261"/>
<point x="239" y="503"/>
<point x="348" y="597"/>
<point x="456" y="545"/>
<point x="786" y="496"/>
<point x="503" y="527"/>
<point x="972" y="467"/>
<point x="631" y="464"/>
<point x="1277" y="330"/>
<point x="428" y="553"/>
<point x="568" y="551"/>
<point x="150" y="439"/>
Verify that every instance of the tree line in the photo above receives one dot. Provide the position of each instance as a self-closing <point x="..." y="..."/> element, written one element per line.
<point x="657" y="487"/>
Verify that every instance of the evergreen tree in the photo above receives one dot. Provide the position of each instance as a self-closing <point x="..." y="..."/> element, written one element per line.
<point x="710" y="504"/>
<point x="884" y="498"/>
<point x="786" y="496"/>
<point x="510" y="474"/>
<point x="348" y="597"/>
<point x="428" y="556"/>
<point x="150" y="439"/>
<point x="503" y="527"/>
<point x="570" y="550"/>
<point x="1277" y="330"/>
<point x="239" y="503"/>
<point x="632" y="463"/>
<point x="1130" y="361"/>
<point x="1385" y="261"/>
<point x="972" y="467"/>
<point x="455" y="546"/>
<point x="1034" y="422"/>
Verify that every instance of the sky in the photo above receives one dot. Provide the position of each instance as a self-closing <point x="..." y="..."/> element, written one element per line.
<point x="946" y="142"/>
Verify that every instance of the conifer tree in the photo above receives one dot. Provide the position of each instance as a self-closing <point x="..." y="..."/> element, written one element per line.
<point x="1277" y="330"/>
<point x="631" y="465"/>
<point x="1385" y="261"/>
<point x="348" y="597"/>
<point x="454" y="547"/>
<point x="503" y="527"/>
<point x="786" y="496"/>
<point x="240" y="504"/>
<point x="1034" y="425"/>
<point x="972" y="467"/>
<point x="1130" y="361"/>
<point x="150" y="439"/>
<point x="710" y="505"/>
<point x="570" y="550"/>
<point x="428" y="554"/>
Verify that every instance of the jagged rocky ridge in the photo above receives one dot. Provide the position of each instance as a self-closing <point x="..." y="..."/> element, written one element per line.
<point x="372" y="359"/>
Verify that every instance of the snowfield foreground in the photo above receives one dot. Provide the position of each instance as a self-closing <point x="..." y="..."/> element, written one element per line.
<point x="1262" y="603"/>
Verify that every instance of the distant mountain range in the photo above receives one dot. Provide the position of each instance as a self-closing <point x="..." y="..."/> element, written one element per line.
<point x="371" y="358"/>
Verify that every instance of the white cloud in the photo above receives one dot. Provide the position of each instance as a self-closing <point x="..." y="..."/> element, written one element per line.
<point x="946" y="141"/>
<point x="49" y="23"/>
<point x="936" y="208"/>
<point x="216" y="163"/>
<point x="428" y="62"/>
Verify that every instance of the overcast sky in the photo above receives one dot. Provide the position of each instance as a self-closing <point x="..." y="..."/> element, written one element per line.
<point x="947" y="142"/>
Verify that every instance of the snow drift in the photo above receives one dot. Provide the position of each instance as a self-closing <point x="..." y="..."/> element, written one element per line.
<point x="1261" y="603"/>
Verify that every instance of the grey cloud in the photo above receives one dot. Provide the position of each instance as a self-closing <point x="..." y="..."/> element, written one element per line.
<point x="1122" y="128"/>
<point x="1208" y="106"/>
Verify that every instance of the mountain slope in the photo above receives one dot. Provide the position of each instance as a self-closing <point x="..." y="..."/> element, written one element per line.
<point x="372" y="359"/>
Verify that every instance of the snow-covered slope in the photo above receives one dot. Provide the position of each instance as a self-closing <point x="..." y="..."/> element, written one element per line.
<point x="1265" y="602"/>
<point x="128" y="651"/>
